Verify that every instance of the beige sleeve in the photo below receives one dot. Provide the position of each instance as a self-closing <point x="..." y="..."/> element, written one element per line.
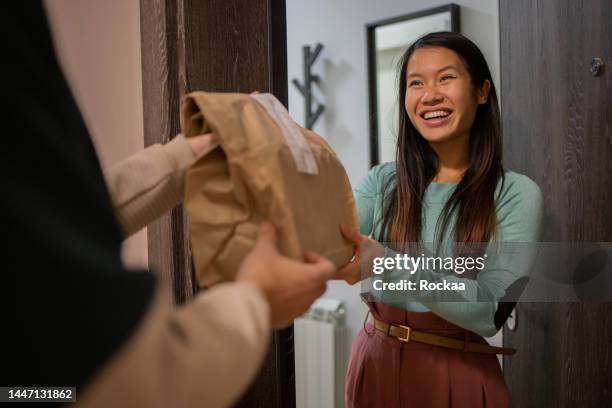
<point x="148" y="184"/>
<point x="204" y="354"/>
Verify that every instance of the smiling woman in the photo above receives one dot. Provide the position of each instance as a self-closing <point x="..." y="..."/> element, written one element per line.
<point x="446" y="186"/>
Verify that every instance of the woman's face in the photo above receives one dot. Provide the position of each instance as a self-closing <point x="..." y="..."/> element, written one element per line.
<point x="440" y="100"/>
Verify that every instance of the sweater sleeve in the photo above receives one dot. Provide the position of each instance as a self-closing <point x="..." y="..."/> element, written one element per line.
<point x="148" y="184"/>
<point x="203" y="353"/>
<point x="521" y="210"/>
<point x="367" y="193"/>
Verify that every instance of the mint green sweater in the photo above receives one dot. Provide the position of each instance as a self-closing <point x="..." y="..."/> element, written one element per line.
<point x="519" y="213"/>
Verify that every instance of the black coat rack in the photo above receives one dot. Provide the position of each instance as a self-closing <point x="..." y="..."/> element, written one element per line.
<point x="306" y="88"/>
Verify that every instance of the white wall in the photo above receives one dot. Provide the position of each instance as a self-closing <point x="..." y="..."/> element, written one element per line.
<point x="98" y="45"/>
<point x="340" y="26"/>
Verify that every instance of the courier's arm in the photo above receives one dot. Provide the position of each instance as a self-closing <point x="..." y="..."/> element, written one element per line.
<point x="148" y="184"/>
<point x="187" y="356"/>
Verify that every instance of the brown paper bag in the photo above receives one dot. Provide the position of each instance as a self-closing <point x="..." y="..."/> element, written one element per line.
<point x="267" y="167"/>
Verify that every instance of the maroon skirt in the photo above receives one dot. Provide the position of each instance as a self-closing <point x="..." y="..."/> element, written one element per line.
<point x="386" y="372"/>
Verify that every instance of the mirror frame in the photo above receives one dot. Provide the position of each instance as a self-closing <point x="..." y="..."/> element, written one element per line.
<point x="371" y="55"/>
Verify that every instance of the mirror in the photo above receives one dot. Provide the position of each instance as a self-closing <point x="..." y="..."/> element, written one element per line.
<point x="387" y="41"/>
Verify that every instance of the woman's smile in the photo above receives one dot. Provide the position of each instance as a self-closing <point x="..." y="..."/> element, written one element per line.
<point x="437" y="118"/>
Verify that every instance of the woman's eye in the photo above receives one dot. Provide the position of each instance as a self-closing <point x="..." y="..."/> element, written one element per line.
<point x="414" y="83"/>
<point x="445" y="77"/>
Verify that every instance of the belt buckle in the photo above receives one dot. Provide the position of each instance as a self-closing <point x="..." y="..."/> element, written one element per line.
<point x="405" y="339"/>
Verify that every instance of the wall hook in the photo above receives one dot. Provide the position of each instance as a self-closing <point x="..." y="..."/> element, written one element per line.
<point x="306" y="88"/>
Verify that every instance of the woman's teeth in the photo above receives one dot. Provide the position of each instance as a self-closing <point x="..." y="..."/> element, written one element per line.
<point x="436" y="114"/>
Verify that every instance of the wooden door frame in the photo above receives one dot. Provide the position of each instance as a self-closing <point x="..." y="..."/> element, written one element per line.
<point x="223" y="46"/>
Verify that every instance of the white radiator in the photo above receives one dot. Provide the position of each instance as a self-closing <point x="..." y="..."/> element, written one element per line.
<point x="321" y="355"/>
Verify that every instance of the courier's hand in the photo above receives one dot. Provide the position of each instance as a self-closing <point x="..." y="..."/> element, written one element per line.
<point x="366" y="249"/>
<point x="203" y="144"/>
<point x="289" y="285"/>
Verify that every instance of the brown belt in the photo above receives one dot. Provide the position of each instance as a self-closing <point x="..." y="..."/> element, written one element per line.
<point x="406" y="334"/>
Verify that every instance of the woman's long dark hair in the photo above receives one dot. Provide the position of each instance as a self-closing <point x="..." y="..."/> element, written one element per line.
<point x="417" y="163"/>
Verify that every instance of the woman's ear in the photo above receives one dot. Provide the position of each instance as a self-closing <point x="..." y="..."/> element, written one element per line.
<point x="483" y="92"/>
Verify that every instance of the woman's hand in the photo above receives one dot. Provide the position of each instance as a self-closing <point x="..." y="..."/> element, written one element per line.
<point x="366" y="249"/>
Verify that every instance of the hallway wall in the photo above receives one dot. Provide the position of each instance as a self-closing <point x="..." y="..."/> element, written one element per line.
<point x="98" y="44"/>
